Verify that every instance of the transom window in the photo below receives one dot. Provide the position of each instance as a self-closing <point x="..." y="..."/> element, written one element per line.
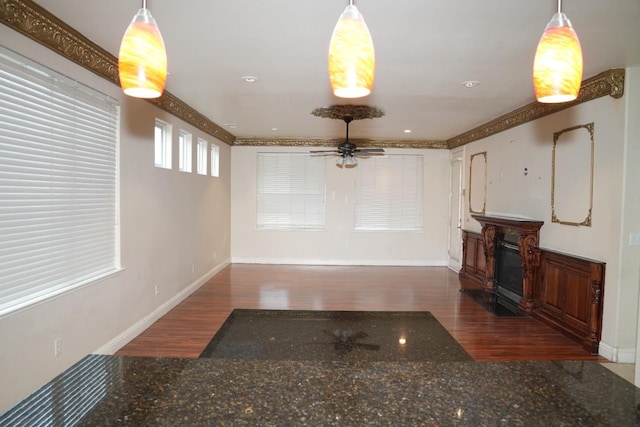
<point x="162" y="140"/>
<point x="202" y="156"/>
<point x="215" y="160"/>
<point x="186" y="153"/>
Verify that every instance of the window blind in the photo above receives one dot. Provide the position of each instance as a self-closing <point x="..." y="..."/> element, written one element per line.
<point x="389" y="193"/>
<point x="58" y="182"/>
<point x="290" y="191"/>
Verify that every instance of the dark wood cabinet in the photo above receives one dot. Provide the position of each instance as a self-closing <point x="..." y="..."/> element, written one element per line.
<point x="570" y="296"/>
<point x="473" y="272"/>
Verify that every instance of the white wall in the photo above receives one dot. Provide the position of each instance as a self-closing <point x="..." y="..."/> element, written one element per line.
<point x="171" y="222"/>
<point x="339" y="243"/>
<point x="510" y="192"/>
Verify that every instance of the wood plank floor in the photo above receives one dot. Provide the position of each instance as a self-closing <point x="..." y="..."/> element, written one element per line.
<point x="186" y="330"/>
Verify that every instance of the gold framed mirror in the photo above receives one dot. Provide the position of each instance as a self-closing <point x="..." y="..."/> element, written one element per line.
<point x="478" y="183"/>
<point x="572" y="175"/>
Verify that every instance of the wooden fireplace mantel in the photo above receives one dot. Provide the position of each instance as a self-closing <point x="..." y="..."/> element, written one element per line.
<point x="528" y="234"/>
<point x="562" y="290"/>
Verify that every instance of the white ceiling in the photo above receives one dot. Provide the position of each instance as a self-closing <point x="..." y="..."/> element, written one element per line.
<point x="424" y="51"/>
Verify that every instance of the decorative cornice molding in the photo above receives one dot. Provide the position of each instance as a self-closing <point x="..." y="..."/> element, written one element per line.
<point x="353" y="112"/>
<point x="319" y="142"/>
<point x="40" y="25"/>
<point x="609" y="82"/>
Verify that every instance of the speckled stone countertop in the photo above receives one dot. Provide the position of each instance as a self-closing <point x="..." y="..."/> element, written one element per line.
<point x="141" y="391"/>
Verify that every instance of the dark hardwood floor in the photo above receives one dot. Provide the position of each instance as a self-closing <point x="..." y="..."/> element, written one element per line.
<point x="186" y="330"/>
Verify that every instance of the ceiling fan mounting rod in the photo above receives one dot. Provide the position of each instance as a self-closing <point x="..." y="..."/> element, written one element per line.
<point x="347" y="120"/>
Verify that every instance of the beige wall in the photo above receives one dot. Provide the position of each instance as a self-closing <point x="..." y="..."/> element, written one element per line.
<point x="339" y="243"/>
<point x="510" y="192"/>
<point x="171" y="223"/>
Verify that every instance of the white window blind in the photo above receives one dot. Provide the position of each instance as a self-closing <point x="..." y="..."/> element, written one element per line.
<point x="290" y="192"/>
<point x="58" y="182"/>
<point x="389" y="193"/>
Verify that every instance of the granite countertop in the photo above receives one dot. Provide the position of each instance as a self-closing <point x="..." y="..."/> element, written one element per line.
<point x="143" y="391"/>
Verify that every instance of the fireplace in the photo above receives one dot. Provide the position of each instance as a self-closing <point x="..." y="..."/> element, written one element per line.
<point x="511" y="253"/>
<point x="508" y="277"/>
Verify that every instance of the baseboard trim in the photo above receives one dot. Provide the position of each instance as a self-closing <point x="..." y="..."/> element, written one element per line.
<point x="619" y="355"/>
<point x="136" y="329"/>
<point x="372" y="262"/>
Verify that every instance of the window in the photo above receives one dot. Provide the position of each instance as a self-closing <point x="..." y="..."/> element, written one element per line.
<point x="59" y="183"/>
<point x="186" y="154"/>
<point x="162" y="138"/>
<point x="215" y="160"/>
<point x="291" y="192"/>
<point x="389" y="193"/>
<point x="202" y="156"/>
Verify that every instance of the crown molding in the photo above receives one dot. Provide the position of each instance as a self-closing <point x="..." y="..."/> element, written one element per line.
<point x="319" y="142"/>
<point x="40" y="25"/>
<point x="609" y="82"/>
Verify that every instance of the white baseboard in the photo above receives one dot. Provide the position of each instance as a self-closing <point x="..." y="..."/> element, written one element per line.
<point x="381" y="262"/>
<point x="125" y="337"/>
<point x="619" y="355"/>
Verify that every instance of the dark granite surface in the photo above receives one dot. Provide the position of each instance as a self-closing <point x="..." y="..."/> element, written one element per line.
<point x="248" y="382"/>
<point x="334" y="336"/>
<point x="141" y="391"/>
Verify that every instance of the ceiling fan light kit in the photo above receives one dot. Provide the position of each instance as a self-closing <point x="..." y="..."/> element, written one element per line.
<point x="557" y="67"/>
<point x="347" y="151"/>
<point x="142" y="61"/>
<point x="351" y="56"/>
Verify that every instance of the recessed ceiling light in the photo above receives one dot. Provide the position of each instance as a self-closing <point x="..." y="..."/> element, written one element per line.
<point x="231" y="125"/>
<point x="470" y="83"/>
<point x="249" y="79"/>
<point x="407" y="131"/>
<point x="274" y="129"/>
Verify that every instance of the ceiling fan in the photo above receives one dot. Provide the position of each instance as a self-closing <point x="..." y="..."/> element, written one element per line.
<point x="347" y="150"/>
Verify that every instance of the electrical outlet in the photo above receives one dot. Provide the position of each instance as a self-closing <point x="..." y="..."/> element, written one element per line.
<point x="634" y="239"/>
<point x="193" y="268"/>
<point x="157" y="290"/>
<point x="214" y="255"/>
<point x="57" y="347"/>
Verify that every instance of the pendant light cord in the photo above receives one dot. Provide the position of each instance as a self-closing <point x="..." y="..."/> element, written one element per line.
<point x="559" y="6"/>
<point x="144" y="4"/>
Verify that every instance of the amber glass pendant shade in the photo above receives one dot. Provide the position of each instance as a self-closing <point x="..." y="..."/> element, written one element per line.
<point x="557" y="68"/>
<point x="142" y="62"/>
<point x="351" y="56"/>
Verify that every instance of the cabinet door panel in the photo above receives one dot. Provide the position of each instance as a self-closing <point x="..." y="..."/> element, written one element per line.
<point x="470" y="248"/>
<point x="578" y="301"/>
<point x="553" y="295"/>
<point x="481" y="264"/>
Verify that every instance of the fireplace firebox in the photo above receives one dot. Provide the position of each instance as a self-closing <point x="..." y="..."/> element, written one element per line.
<point x="507" y="289"/>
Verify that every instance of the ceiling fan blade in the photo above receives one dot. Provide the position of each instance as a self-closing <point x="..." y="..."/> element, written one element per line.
<point x="370" y="150"/>
<point x="323" y="151"/>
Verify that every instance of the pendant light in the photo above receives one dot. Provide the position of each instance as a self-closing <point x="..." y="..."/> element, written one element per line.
<point x="351" y="56"/>
<point x="142" y="62"/>
<point x="557" y="68"/>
